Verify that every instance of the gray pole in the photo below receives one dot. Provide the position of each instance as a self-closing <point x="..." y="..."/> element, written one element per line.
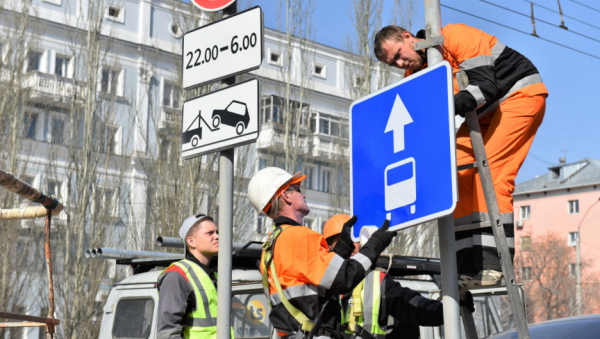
<point x="578" y="272"/>
<point x="433" y="24"/>
<point x="578" y="291"/>
<point x="225" y="226"/>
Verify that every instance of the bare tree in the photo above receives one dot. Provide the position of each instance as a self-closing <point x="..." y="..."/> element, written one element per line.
<point x="543" y="264"/>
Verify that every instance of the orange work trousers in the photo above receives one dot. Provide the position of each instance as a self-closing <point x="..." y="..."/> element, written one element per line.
<point x="507" y="136"/>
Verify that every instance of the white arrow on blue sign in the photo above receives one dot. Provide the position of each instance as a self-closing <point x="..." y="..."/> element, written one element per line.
<point x="403" y="152"/>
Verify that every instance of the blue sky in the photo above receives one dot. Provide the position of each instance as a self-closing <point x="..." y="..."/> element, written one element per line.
<point x="572" y="120"/>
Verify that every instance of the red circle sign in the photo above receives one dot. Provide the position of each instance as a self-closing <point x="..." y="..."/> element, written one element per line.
<point x="212" y="5"/>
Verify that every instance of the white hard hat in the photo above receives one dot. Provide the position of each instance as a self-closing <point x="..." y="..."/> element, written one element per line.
<point x="268" y="182"/>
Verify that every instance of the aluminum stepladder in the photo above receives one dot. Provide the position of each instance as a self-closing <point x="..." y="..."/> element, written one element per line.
<point x="495" y="222"/>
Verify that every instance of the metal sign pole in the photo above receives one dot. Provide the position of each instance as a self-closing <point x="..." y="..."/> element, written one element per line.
<point x="225" y="226"/>
<point x="433" y="23"/>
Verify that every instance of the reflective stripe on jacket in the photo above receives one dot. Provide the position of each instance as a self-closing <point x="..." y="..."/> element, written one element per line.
<point x="307" y="271"/>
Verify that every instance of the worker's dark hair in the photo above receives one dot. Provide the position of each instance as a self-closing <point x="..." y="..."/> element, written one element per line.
<point x="391" y="32"/>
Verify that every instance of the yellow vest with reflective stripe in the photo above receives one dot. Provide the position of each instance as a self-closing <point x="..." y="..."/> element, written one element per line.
<point x="366" y="314"/>
<point x="202" y="322"/>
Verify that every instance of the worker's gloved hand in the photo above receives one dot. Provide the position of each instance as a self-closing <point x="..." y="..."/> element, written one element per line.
<point x="378" y="242"/>
<point x="344" y="246"/>
<point x="466" y="300"/>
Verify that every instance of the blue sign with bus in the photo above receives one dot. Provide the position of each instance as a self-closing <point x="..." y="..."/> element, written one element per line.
<point x="403" y="151"/>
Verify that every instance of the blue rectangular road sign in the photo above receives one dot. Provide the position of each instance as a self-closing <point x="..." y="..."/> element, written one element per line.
<point x="403" y="152"/>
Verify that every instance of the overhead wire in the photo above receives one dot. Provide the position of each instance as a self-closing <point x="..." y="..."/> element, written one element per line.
<point x="540" y="20"/>
<point x="584" y="5"/>
<point x="557" y="12"/>
<point x="520" y="31"/>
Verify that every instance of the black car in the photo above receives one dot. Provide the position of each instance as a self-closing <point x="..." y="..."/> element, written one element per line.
<point x="583" y="327"/>
<point x="235" y="115"/>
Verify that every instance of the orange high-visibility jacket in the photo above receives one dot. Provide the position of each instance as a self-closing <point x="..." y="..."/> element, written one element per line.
<point x="306" y="271"/>
<point x="494" y="70"/>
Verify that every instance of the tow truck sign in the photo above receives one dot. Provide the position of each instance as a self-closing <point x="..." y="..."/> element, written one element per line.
<point x="219" y="120"/>
<point x="222" y="49"/>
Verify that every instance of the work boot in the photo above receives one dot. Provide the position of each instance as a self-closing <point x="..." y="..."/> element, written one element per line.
<point x="485" y="278"/>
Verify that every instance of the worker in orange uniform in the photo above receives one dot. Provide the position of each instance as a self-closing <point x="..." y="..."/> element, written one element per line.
<point x="509" y="97"/>
<point x="300" y="276"/>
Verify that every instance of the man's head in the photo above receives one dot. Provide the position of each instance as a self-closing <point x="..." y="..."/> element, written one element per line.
<point x="277" y="193"/>
<point x="395" y="46"/>
<point x="333" y="228"/>
<point x="201" y="237"/>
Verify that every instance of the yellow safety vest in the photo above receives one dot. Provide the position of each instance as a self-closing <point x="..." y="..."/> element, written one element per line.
<point x="363" y="307"/>
<point x="201" y="323"/>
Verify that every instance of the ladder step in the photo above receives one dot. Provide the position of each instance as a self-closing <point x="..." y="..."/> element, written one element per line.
<point x="466" y="166"/>
<point x="472" y="226"/>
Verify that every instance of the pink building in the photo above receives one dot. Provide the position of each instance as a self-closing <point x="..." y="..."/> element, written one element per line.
<point x="560" y="201"/>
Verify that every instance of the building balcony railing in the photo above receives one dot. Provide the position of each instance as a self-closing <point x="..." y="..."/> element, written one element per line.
<point x="45" y="87"/>
<point x="325" y="147"/>
<point x="169" y="117"/>
<point x="272" y="138"/>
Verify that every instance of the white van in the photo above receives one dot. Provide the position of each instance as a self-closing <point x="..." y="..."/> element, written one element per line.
<point x="130" y="309"/>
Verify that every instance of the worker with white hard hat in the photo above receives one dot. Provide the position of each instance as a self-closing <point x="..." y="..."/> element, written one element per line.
<point x="187" y="307"/>
<point x="301" y="277"/>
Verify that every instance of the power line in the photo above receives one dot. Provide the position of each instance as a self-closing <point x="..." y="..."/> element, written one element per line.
<point x="540" y="20"/>
<point x="520" y="31"/>
<point x="557" y="12"/>
<point x="584" y="5"/>
<point x="540" y="159"/>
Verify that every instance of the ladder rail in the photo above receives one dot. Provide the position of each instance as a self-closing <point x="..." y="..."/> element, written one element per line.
<point x="494" y="216"/>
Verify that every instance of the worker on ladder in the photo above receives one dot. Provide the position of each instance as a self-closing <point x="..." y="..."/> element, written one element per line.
<point x="379" y="306"/>
<point x="509" y="97"/>
<point x="300" y="276"/>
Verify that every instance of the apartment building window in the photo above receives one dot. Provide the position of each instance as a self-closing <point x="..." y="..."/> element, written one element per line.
<point x="331" y="125"/>
<point x="275" y="58"/>
<point x="53" y="188"/>
<point x="42" y="329"/>
<point x="171" y="95"/>
<point x="109" y="81"/>
<point x="260" y="219"/>
<point x="115" y="13"/>
<point x="34" y="61"/>
<point x="105" y="201"/>
<point x="573" y="270"/>
<point x="525" y="244"/>
<point x="572" y="240"/>
<point x="61" y="66"/>
<point x="319" y="71"/>
<point x="525" y="212"/>
<point x="309" y="172"/>
<point x="262" y="163"/>
<point x="325" y="180"/>
<point x="57" y="131"/>
<point x="525" y="273"/>
<point x="111" y="140"/>
<point x="30" y="125"/>
<point x="308" y="222"/>
<point x="313" y="122"/>
<point x="272" y="111"/>
<point x="573" y="206"/>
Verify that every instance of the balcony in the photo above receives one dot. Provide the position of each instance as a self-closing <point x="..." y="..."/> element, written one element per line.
<point x="169" y="118"/>
<point x="44" y="87"/>
<point x="326" y="147"/>
<point x="272" y="138"/>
